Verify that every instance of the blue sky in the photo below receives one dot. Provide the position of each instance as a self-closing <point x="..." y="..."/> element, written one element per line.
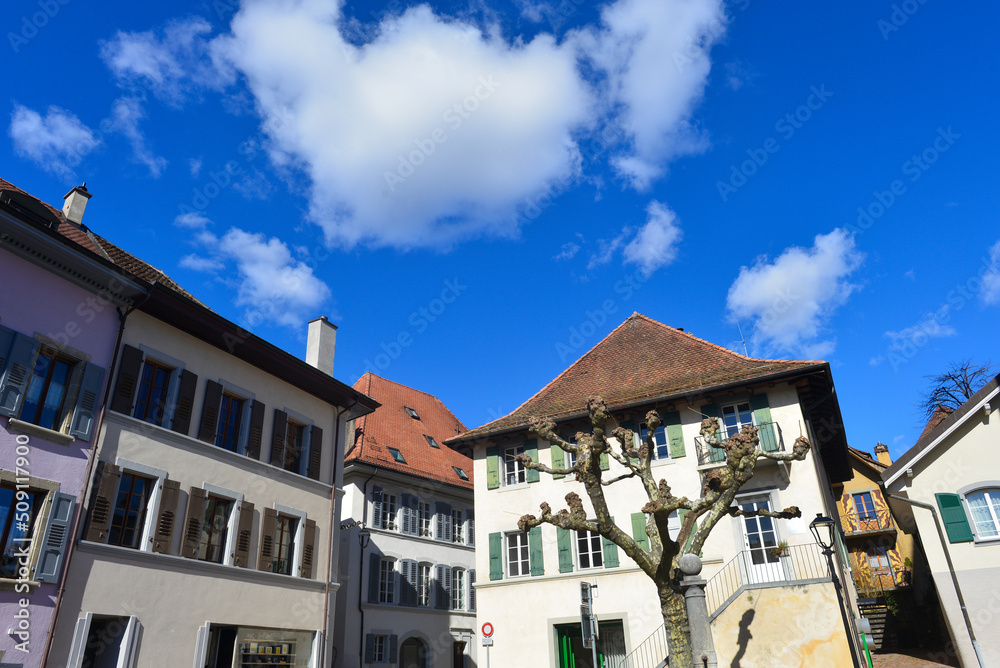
<point x="477" y="192"/>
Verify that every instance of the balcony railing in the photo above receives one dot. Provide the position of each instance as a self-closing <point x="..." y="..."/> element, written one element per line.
<point x="867" y="523"/>
<point x="769" y="434"/>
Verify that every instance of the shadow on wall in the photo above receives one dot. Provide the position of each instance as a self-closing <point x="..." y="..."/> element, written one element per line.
<point x="744" y="638"/>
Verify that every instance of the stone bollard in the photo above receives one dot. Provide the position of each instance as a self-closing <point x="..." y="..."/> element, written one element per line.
<point x="702" y="646"/>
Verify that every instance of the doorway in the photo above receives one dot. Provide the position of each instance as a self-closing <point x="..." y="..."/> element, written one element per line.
<point x="413" y="654"/>
<point x="760" y="538"/>
<point x="610" y="645"/>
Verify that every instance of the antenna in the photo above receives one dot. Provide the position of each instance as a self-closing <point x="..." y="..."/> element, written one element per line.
<point x="742" y="340"/>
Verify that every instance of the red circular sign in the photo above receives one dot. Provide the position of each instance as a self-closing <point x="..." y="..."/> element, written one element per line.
<point x="487" y="630"/>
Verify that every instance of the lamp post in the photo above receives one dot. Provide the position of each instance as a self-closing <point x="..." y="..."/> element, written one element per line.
<point x="822" y="529"/>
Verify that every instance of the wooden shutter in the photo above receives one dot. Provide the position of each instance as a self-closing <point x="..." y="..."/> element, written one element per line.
<point x="374" y="566"/>
<point x="762" y="418"/>
<point x="393" y="641"/>
<point x="472" y="590"/>
<point x="191" y="540"/>
<point x="308" y="548"/>
<point x="210" y="412"/>
<point x="377" y="507"/>
<point x="55" y="538"/>
<point x="164" y="530"/>
<point x="496" y="556"/>
<point x="129" y="367"/>
<point x="181" y="422"/>
<point x="531" y="449"/>
<point x="675" y="435"/>
<point x="408" y="519"/>
<point x="558" y="460"/>
<point x="610" y="551"/>
<point x="256" y="429"/>
<point x="102" y="504"/>
<point x="315" y="452"/>
<point x="278" y="438"/>
<point x="441" y="595"/>
<point x="535" y="556"/>
<point x="6" y="338"/>
<point x="470" y="538"/>
<point x="492" y="467"/>
<point x="244" y="526"/>
<point x="15" y="378"/>
<point x="443" y="521"/>
<point x="956" y="523"/>
<point x="268" y="522"/>
<point x="408" y="582"/>
<point x="639" y="530"/>
<point x="86" y="402"/>
<point x="564" y="541"/>
<point x="370" y="648"/>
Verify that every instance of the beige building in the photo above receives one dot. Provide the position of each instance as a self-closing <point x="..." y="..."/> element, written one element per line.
<point x="760" y="570"/>
<point x="953" y="468"/>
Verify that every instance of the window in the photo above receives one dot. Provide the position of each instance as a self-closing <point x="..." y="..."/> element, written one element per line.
<point x="460" y="473"/>
<point x="985" y="510"/>
<point x="517" y="554"/>
<point x="471" y="527"/>
<point x="431" y="441"/>
<point x="513" y="470"/>
<point x="18" y="513"/>
<point x="661" y="447"/>
<point x="129" y="518"/>
<point x="424" y="514"/>
<point x="457" y="589"/>
<point x="215" y="529"/>
<point x="46" y="395"/>
<point x="424" y="585"/>
<point x="387" y="581"/>
<point x="397" y="455"/>
<point x="106" y="641"/>
<point x="588" y="549"/>
<point x="388" y="518"/>
<point x="152" y="398"/>
<point x="227" y="436"/>
<point x="378" y="654"/>
<point x="457" y="524"/>
<point x="865" y="507"/>
<point x="878" y="558"/>
<point x="412" y="413"/>
<point x="284" y="544"/>
<point x="294" y="445"/>
<point x="736" y="416"/>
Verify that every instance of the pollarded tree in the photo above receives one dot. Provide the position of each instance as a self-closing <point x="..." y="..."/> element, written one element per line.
<point x="659" y="562"/>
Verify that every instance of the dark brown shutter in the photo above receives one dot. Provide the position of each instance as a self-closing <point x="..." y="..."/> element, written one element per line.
<point x="267" y="526"/>
<point x="191" y="539"/>
<point x="165" y="520"/>
<point x="103" y="502"/>
<point x="315" y="452"/>
<point x="129" y="367"/>
<point x="278" y="438"/>
<point x="308" y="548"/>
<point x="256" y="430"/>
<point x="241" y="556"/>
<point x="210" y="412"/>
<point x="185" y="403"/>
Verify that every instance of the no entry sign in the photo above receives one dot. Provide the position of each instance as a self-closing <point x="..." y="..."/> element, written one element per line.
<point x="487" y="630"/>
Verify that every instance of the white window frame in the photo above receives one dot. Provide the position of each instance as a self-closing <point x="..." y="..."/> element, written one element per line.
<point x="126" y="653"/>
<point x="425" y="515"/>
<point x="153" y="507"/>
<point x="379" y="643"/>
<point x="307" y="425"/>
<point x="458" y="583"/>
<point x="248" y="398"/>
<point x="424" y="584"/>
<point x="390" y="524"/>
<point x="299" y="535"/>
<point x="173" y="385"/>
<point x="656" y="447"/>
<point x="989" y="490"/>
<point x="391" y="583"/>
<point x="519" y="536"/>
<point x="736" y="410"/>
<point x="458" y="526"/>
<point x="234" y="518"/>
<point x="520" y="471"/>
<point x="591" y="552"/>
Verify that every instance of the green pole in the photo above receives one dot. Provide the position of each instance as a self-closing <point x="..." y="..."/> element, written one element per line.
<point x="864" y="641"/>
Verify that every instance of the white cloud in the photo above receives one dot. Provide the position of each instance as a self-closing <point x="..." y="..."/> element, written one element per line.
<point x="568" y="251"/>
<point x="929" y="327"/>
<point x="125" y="116"/>
<point x="655" y="245"/>
<point x="56" y="142"/>
<point x="273" y="286"/>
<point x="193" y="220"/>
<point x="791" y="299"/>
<point x="606" y="248"/>
<point x="989" y="291"/>
<point x="195" y="165"/>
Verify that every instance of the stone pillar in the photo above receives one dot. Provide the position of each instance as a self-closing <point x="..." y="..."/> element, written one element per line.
<point x="702" y="645"/>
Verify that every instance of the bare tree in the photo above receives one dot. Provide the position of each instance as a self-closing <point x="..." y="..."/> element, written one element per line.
<point x="659" y="562"/>
<point x="955" y="386"/>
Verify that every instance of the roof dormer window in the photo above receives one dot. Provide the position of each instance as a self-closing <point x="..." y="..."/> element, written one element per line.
<point x="412" y="413"/>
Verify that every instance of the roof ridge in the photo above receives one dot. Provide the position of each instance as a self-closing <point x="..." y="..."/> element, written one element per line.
<point x="396" y="382"/>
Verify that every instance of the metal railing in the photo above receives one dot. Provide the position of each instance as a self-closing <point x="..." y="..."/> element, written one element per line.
<point x="769" y="434"/>
<point x="867" y="523"/>
<point x="650" y="653"/>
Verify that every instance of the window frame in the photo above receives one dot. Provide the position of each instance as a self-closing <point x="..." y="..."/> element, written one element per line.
<point x="988" y="490"/>
<point x="737" y="412"/>
<point x="412" y="412"/>
<point x="387" y="580"/>
<point x="518" y="536"/>
<point x="424" y="584"/>
<point x="152" y="503"/>
<point x="431" y="442"/>
<point x="73" y="373"/>
<point x="425" y="516"/>
<point x="591" y="552"/>
<point x="294" y="418"/>
<point x="391" y="524"/>
<point x="232" y="525"/>
<point x="458" y="584"/>
<point x="665" y="445"/>
<point x="176" y="367"/>
<point x="248" y="398"/>
<point x="458" y="526"/>
<point x="520" y="471"/>
<point x="38" y="510"/>
<point x="379" y="645"/>
<point x="298" y="538"/>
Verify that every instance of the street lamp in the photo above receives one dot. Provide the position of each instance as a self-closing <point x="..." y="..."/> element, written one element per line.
<point x="822" y="528"/>
<point x="364" y="536"/>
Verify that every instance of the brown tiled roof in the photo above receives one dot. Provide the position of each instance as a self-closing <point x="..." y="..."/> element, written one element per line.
<point x="642" y="359"/>
<point x="940" y="413"/>
<point x="390" y="426"/>
<point x="867" y="459"/>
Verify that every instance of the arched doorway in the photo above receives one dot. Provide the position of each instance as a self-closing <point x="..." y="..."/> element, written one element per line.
<point x="413" y="654"/>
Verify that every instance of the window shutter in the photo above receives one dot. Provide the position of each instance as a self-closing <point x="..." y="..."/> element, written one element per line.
<point x="675" y="435"/>
<point x="86" y="402"/>
<point x="377" y="507"/>
<point x="210" y="412"/>
<point x="610" y="551"/>
<point x="6" y="338"/>
<point x="268" y="523"/>
<point x="470" y="538"/>
<point x="408" y="588"/>
<point x="564" y="541"/>
<point x="315" y="452"/>
<point x="712" y="411"/>
<point x="443" y="521"/>
<point x="15" y="378"/>
<point x="447" y="588"/>
<point x="55" y="539"/>
<point x="531" y="449"/>
<point x="165" y="520"/>
<point x="492" y="467"/>
<point x="406" y="518"/>
<point x="393" y="640"/>
<point x="103" y="502"/>
<point x="278" y="438"/>
<point x="472" y="590"/>
<point x="370" y="648"/>
<point x="956" y="524"/>
<point x="440" y="601"/>
<point x="374" y="566"/>
<point x="308" y="548"/>
<point x="129" y="366"/>
<point x="762" y="416"/>
<point x="181" y="422"/>
<point x="558" y="459"/>
<point x="605" y="461"/>
<point x="535" y="557"/>
<point x="496" y="556"/>
<point x="256" y="429"/>
<point x="414" y="515"/>
<point x="639" y="530"/>
<point x="191" y="539"/>
<point x="244" y="526"/>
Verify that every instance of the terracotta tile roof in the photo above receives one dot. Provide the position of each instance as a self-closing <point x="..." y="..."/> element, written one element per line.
<point x="867" y="459"/>
<point x="642" y="359"/>
<point x="391" y="426"/>
<point x="940" y="413"/>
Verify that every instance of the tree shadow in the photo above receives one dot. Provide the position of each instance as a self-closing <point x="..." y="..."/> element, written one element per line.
<point x="744" y="638"/>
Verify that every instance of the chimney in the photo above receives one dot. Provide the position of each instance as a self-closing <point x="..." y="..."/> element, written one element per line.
<point x="75" y="203"/>
<point x="882" y="454"/>
<point x="321" y="343"/>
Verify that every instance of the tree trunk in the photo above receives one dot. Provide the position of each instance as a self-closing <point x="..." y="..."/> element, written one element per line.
<point x="674" y="610"/>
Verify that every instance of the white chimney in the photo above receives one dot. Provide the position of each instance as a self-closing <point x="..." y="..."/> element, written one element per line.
<point x="75" y="203"/>
<point x="321" y="344"/>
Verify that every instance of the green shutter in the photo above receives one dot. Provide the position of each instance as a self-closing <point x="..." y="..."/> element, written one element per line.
<point x="762" y="416"/>
<point x="675" y="436"/>
<point x="610" y="551"/>
<point x="557" y="459"/>
<point x="605" y="463"/>
<point x="953" y="516"/>
<point x="639" y="530"/>
<point x="496" y="556"/>
<point x="535" y="559"/>
<point x="531" y="449"/>
<point x="492" y="467"/>
<point x="564" y="539"/>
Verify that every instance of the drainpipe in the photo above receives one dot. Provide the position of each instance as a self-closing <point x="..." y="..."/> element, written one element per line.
<point x="361" y="588"/>
<point x="92" y="459"/>
<point x="951" y="570"/>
